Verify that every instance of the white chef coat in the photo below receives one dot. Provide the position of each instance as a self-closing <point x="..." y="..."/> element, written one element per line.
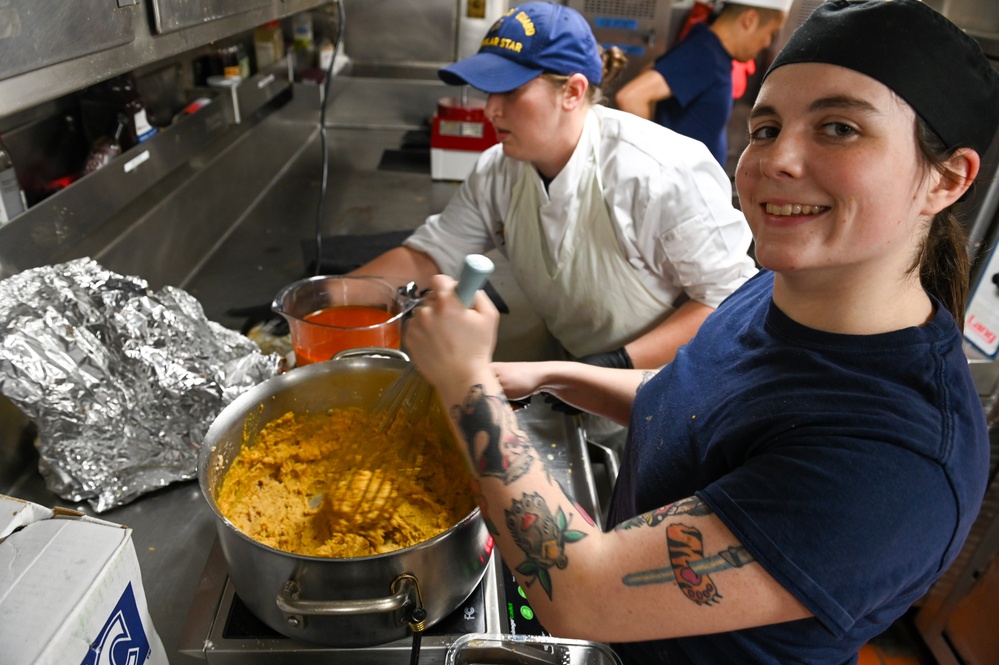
<point x="590" y="298"/>
<point x="668" y="198"/>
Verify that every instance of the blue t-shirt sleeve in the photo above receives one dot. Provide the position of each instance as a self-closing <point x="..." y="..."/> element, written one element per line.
<point x="811" y="507"/>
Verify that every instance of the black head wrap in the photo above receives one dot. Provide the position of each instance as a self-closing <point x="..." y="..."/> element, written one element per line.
<point x="924" y="58"/>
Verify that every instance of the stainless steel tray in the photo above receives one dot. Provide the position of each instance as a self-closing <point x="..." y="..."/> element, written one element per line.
<point x="485" y="649"/>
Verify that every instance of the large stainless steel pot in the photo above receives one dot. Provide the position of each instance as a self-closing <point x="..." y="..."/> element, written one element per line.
<point x="354" y="602"/>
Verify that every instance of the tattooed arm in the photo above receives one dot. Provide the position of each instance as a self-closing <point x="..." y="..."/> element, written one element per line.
<point x="672" y="572"/>
<point x="600" y="390"/>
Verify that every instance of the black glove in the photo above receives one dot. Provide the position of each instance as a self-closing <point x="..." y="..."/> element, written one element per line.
<point x="561" y="407"/>
<point x="617" y="359"/>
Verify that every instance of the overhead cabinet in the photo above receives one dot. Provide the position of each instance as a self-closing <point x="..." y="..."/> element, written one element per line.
<point x="38" y="33"/>
<point x="170" y="15"/>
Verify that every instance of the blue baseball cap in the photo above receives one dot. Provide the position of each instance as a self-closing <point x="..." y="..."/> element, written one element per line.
<point x="528" y="40"/>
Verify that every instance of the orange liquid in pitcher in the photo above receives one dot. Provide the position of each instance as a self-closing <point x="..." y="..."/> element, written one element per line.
<point x="335" y="329"/>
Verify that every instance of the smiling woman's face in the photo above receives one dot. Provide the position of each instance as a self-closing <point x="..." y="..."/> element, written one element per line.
<point x="832" y="177"/>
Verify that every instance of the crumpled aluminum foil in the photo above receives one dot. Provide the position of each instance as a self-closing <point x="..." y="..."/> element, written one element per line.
<point x="121" y="381"/>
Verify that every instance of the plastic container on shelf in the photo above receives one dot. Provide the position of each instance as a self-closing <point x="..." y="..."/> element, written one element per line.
<point x="231" y="59"/>
<point x="325" y="54"/>
<point x="268" y="44"/>
<point x="303" y="41"/>
<point x="302" y="33"/>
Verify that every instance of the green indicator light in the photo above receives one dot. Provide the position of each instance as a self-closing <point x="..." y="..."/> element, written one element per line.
<point x="526" y="612"/>
<point x="523" y="595"/>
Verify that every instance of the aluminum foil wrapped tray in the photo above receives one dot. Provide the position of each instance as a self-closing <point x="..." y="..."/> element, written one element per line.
<point x="121" y="381"/>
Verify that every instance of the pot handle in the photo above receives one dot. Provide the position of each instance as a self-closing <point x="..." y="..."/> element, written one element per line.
<point x="405" y="592"/>
<point x="371" y="351"/>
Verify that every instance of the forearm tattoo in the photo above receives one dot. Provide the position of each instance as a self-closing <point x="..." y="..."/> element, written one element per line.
<point x="692" y="506"/>
<point x="688" y="567"/>
<point x="497" y="447"/>
<point x="646" y="377"/>
<point x="542" y="535"/>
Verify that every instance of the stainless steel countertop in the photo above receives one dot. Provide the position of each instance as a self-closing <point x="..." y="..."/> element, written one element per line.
<point x="173" y="528"/>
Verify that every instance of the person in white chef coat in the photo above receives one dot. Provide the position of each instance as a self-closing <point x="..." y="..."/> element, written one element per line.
<point x="621" y="234"/>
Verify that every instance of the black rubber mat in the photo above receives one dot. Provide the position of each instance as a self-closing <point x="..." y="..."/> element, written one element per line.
<point x="410" y="161"/>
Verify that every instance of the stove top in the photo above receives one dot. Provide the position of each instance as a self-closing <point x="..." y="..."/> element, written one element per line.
<point x="223" y="631"/>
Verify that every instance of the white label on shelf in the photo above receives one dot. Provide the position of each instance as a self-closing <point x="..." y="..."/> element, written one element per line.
<point x="136" y="161"/>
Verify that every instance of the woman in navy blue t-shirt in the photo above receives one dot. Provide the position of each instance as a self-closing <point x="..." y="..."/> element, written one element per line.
<point x="811" y="462"/>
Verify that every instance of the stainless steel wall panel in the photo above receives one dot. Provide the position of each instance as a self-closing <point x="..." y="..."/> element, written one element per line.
<point x="37" y="33"/>
<point x="981" y="16"/>
<point x="472" y="27"/>
<point x="170" y="15"/>
<point x="407" y="30"/>
<point x="384" y="102"/>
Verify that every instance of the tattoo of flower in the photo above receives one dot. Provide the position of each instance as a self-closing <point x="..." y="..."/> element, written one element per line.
<point x="542" y="536"/>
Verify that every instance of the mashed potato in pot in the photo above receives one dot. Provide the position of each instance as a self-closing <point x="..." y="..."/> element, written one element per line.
<point x="329" y="485"/>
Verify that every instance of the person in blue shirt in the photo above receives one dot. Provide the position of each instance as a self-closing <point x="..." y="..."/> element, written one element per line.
<point x="689" y="88"/>
<point x="811" y="462"/>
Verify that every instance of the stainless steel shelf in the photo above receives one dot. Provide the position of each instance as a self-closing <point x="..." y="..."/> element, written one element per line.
<point x="66" y="60"/>
<point x="46" y="231"/>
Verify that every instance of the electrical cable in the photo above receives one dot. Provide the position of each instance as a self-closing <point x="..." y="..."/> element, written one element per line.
<point x="320" y="209"/>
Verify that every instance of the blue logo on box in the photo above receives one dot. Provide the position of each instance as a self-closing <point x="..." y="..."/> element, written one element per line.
<point x="123" y="639"/>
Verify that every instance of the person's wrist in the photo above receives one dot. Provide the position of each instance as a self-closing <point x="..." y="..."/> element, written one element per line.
<point x="456" y="384"/>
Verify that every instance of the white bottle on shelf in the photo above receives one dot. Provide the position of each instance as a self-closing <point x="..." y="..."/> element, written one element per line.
<point x="303" y="41"/>
<point x="12" y="200"/>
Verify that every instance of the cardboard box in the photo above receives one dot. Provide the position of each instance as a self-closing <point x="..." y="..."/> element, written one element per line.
<point x="71" y="591"/>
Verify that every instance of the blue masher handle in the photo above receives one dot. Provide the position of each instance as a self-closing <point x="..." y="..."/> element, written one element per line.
<point x="474" y="273"/>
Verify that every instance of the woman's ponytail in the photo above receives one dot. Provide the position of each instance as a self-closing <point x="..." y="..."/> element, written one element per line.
<point x="943" y="263"/>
